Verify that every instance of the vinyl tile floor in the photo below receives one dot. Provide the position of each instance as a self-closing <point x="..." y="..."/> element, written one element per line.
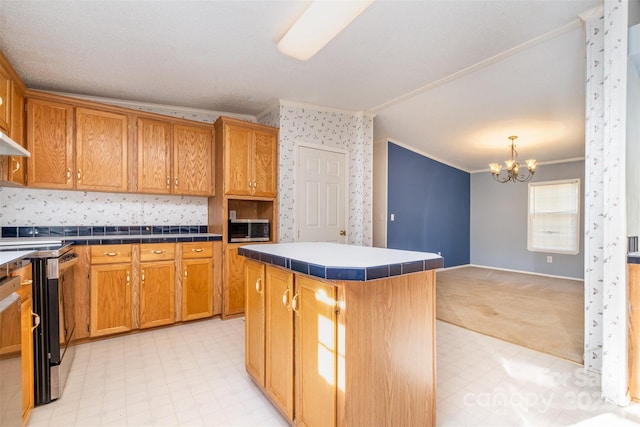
<point x="193" y="375"/>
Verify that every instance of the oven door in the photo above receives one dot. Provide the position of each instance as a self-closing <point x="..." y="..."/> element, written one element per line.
<point x="60" y="299"/>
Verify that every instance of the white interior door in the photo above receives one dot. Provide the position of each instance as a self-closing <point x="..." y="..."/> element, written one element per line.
<point x="321" y="198"/>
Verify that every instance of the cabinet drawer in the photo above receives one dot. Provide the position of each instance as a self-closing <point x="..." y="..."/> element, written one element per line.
<point x="197" y="250"/>
<point x="157" y="251"/>
<point x="109" y="254"/>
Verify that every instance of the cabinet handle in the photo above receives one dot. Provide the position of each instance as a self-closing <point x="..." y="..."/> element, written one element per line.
<point x="285" y="298"/>
<point x="68" y="174"/>
<point x="128" y="278"/>
<point x="255" y="184"/>
<point x="176" y="182"/>
<point x="157" y="252"/>
<point x="294" y="303"/>
<point x="258" y="285"/>
<point x="36" y="320"/>
<point x="111" y="253"/>
<point x="27" y="282"/>
<point x="17" y="166"/>
<point x="1" y="100"/>
<point x="197" y="250"/>
<point x="185" y="272"/>
<point x="168" y="182"/>
<point x="142" y="277"/>
<point x="79" y="175"/>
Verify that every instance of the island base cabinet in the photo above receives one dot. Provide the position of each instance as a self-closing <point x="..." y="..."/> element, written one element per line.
<point x="254" y="321"/>
<point x="279" y="320"/>
<point x="361" y="352"/>
<point x="315" y="305"/>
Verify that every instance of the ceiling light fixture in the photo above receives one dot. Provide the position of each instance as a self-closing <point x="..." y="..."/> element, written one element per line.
<point x="513" y="167"/>
<point x="318" y="25"/>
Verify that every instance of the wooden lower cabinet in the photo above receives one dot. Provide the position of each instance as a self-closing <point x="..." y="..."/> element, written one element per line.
<point x="157" y="293"/>
<point x="634" y="331"/>
<point x="233" y="284"/>
<point x="361" y="353"/>
<point x="279" y="363"/>
<point x="254" y="321"/>
<point x="27" y="322"/>
<point x="197" y="280"/>
<point x="317" y="352"/>
<point x="110" y="299"/>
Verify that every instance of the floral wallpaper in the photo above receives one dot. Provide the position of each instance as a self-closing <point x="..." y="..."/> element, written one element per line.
<point x="30" y="207"/>
<point x="352" y="132"/>
<point x="605" y="207"/>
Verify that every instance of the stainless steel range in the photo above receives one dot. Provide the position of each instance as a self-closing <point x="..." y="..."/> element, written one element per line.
<point x="53" y="301"/>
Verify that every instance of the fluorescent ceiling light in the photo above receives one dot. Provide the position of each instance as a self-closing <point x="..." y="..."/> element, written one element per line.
<point x="318" y="25"/>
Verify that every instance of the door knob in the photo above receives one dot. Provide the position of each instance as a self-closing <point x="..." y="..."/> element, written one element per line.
<point x="343" y="233"/>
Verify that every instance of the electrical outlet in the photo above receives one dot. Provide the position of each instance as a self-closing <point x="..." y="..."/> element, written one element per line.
<point x="549" y="259"/>
<point x="393" y="217"/>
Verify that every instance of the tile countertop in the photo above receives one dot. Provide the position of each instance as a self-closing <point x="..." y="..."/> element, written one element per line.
<point x="110" y="239"/>
<point x="633" y="258"/>
<point x="8" y="257"/>
<point x="342" y="262"/>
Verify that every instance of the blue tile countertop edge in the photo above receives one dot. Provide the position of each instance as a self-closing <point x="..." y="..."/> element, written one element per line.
<point x="363" y="273"/>
<point x="101" y="230"/>
<point x="633" y="258"/>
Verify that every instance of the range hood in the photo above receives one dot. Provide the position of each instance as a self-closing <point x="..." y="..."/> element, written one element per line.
<point x="8" y="147"/>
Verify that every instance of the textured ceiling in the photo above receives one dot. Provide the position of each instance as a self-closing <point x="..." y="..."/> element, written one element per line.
<point x="403" y="60"/>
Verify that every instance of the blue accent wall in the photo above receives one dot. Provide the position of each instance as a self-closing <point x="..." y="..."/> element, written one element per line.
<point x="431" y="205"/>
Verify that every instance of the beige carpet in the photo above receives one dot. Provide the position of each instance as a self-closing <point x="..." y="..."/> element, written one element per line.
<point x="542" y="313"/>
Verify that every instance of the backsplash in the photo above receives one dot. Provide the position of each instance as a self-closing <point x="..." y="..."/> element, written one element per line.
<point x="31" y="207"/>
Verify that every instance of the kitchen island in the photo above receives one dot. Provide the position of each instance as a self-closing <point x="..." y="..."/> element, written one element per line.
<point x="341" y="335"/>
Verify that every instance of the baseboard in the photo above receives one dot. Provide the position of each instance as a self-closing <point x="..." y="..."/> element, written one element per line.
<point x="579" y="279"/>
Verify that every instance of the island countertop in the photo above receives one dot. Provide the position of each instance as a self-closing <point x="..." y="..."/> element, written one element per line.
<point x="342" y="262"/>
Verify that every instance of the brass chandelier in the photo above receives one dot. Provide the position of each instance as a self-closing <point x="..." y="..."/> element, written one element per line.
<point x="513" y="167"/>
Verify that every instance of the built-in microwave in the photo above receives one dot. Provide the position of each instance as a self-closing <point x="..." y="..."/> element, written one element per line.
<point x="249" y="230"/>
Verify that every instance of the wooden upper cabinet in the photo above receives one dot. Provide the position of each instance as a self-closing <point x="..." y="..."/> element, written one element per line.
<point x="192" y="160"/>
<point x="264" y="164"/>
<point x="5" y="100"/>
<point x="250" y="167"/>
<point x="238" y="175"/>
<point x="101" y="150"/>
<point x="50" y="142"/>
<point x="154" y="156"/>
<point x="17" y="170"/>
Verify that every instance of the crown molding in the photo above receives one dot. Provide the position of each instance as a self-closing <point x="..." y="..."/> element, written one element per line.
<point x="137" y="105"/>
<point x="425" y="154"/>
<point x="593" y="13"/>
<point x="551" y="162"/>
<point x="287" y="103"/>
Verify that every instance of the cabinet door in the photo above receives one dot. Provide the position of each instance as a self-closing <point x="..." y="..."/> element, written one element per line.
<point x="27" y="358"/>
<point x="192" y="160"/>
<point x="264" y="164"/>
<point x="154" y="157"/>
<point x="238" y="177"/>
<point x="157" y="293"/>
<point x="279" y="339"/>
<point x="5" y="100"/>
<point x="254" y="321"/>
<point x="17" y="172"/>
<point x="50" y="142"/>
<point x="110" y="299"/>
<point x="101" y="151"/>
<point x="316" y="350"/>
<point x="197" y="288"/>
<point x="233" y="284"/>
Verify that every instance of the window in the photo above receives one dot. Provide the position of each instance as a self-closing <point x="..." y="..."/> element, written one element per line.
<point x="554" y="217"/>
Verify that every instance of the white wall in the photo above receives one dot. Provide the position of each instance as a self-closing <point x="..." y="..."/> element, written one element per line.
<point x="380" y="184"/>
<point x="633" y="151"/>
